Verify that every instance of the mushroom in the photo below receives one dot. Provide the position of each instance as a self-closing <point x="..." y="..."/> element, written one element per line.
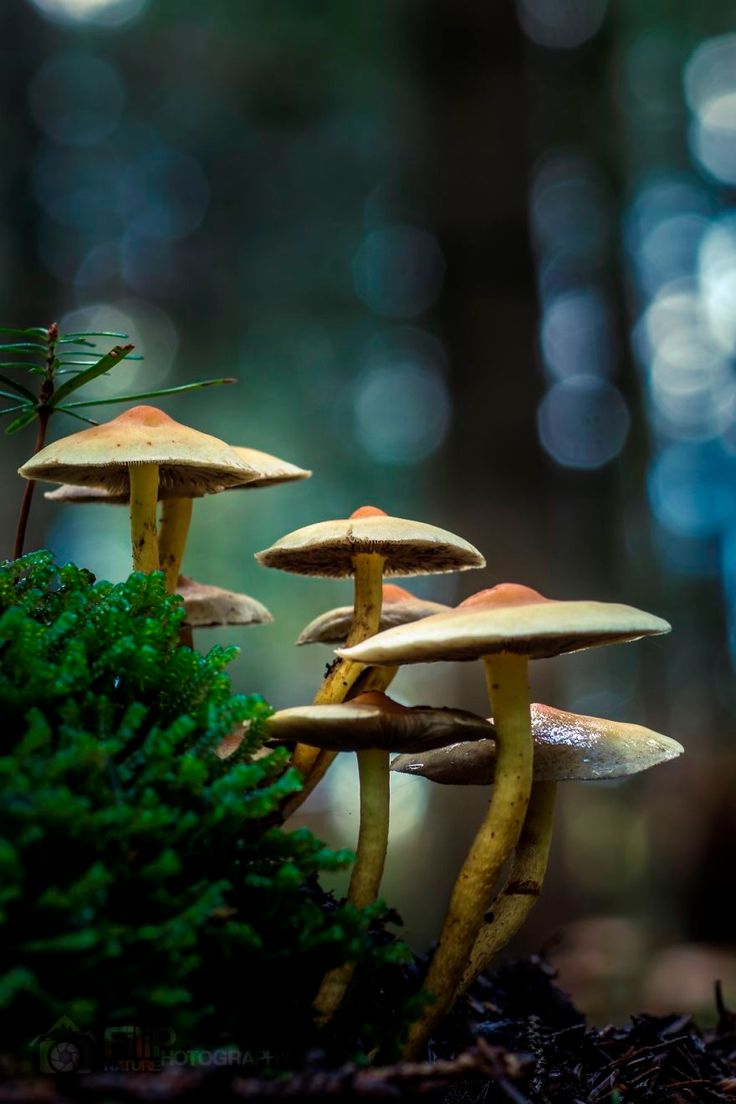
<point x="398" y="607"/>
<point x="211" y="606"/>
<point x="143" y="454"/>
<point x="567" y="747"/>
<point x="372" y="725"/>
<point x="176" y="511"/>
<point x="505" y="627"/>
<point x="367" y="545"/>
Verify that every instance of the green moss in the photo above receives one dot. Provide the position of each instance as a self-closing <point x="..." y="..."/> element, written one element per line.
<point x="142" y="879"/>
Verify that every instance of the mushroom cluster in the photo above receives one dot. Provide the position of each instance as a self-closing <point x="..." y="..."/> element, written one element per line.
<point x="520" y="753"/>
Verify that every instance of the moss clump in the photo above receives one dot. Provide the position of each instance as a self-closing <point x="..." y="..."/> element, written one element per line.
<point x="141" y="878"/>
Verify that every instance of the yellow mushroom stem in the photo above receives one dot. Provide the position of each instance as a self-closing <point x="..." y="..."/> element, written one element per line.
<point x="176" y="516"/>
<point x="523" y="884"/>
<point x="143" y="503"/>
<point x="373" y="767"/>
<point x="498" y="835"/>
<point x="371" y="678"/>
<point x="339" y="682"/>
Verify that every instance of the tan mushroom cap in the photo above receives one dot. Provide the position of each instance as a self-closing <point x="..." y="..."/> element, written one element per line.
<point x="327" y="548"/>
<point x="398" y="608"/>
<point x="190" y="463"/>
<point x="507" y="618"/>
<point x="373" y="720"/>
<point x="211" y="606"/>
<point x="87" y="496"/>
<point x="567" y="747"/>
<point x="269" y="469"/>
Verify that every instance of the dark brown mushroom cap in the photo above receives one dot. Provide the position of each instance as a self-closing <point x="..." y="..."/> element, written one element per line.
<point x="507" y="618"/>
<point x="373" y="720"/>
<point x="212" y="607"/>
<point x="190" y="463"/>
<point x="398" y="608"/>
<point x="327" y="549"/>
<point x="567" y="747"/>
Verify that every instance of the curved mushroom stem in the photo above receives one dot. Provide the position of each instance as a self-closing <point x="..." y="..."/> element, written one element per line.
<point x="342" y="675"/>
<point x="508" y="687"/>
<point x="376" y="678"/>
<point x="176" y="516"/>
<point x="143" y="503"/>
<point x="365" y="882"/>
<point x="523" y="884"/>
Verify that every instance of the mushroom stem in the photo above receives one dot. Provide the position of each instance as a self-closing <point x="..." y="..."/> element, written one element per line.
<point x="376" y="678"/>
<point x="523" y="884"/>
<point x="366" y="622"/>
<point x="176" y="516"/>
<point x="508" y="687"/>
<point x="143" y="502"/>
<point x="365" y="882"/>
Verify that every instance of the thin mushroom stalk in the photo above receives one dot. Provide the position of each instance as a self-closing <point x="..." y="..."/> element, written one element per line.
<point x="523" y="885"/>
<point x="339" y="682"/>
<point x="365" y="881"/>
<point x="371" y="678"/>
<point x="508" y="688"/>
<point x="176" y="517"/>
<point x="143" y="503"/>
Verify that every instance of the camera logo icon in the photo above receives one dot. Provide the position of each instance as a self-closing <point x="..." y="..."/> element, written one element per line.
<point x="65" y="1048"/>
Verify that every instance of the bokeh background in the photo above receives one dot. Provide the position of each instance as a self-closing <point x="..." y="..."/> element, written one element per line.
<point x="474" y="263"/>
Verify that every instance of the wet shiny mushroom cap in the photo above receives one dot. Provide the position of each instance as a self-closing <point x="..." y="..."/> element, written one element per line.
<point x="567" y="747"/>
<point x="211" y="606"/>
<point x="373" y="720"/>
<point x="327" y="548"/>
<point x="507" y="618"/>
<point x="190" y="463"/>
<point x="398" y="608"/>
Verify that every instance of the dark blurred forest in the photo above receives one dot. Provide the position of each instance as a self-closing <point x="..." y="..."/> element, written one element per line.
<point x="473" y="263"/>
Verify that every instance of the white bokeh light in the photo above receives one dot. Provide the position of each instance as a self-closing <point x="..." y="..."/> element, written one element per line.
<point x="104" y="13"/>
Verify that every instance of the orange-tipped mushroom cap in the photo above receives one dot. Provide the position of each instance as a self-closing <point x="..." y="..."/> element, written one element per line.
<point x="507" y="618"/>
<point x="567" y="747"/>
<point x="190" y="463"/>
<point x="373" y="720"/>
<point x="211" y="606"/>
<point x="328" y="548"/>
<point x="398" y="608"/>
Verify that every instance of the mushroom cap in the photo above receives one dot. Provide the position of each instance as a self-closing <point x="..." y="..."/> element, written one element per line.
<point x="210" y="606"/>
<point x="84" y="496"/>
<point x="190" y="463"/>
<point x="269" y="469"/>
<point x="327" y="548"/>
<point x="373" y="720"/>
<point x="507" y="618"/>
<point x="567" y="747"/>
<point x="399" y="607"/>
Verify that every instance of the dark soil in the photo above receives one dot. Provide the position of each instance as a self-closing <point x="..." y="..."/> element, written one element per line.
<point x="515" y="1039"/>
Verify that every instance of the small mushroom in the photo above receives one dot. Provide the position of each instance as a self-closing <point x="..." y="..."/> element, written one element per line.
<point x="505" y="627"/>
<point x="567" y="747"/>
<point x="144" y="454"/>
<point x="266" y="471"/>
<point x="372" y="725"/>
<point x="211" y="606"/>
<point x="367" y="546"/>
<point x="398" y="608"/>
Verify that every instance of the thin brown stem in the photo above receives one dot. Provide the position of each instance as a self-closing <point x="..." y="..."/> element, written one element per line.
<point x="30" y="487"/>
